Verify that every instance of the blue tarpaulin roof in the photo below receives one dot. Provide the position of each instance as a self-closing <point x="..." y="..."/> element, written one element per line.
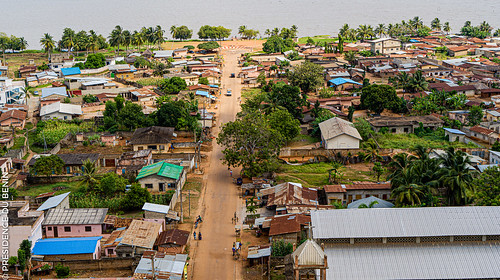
<point x="66" y="246"/>
<point x="454" y="131"/>
<point x="214" y="86"/>
<point x="341" y="81"/>
<point x="70" y="71"/>
<point x="204" y="93"/>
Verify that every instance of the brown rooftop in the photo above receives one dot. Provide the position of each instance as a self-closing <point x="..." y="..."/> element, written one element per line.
<point x="288" y="224"/>
<point x="173" y="236"/>
<point x="383" y="121"/>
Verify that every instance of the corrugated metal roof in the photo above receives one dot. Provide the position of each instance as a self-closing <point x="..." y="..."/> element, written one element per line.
<point x="53" y="202"/>
<point x="66" y="246"/>
<point x="454" y="131"/>
<point x="258" y="253"/>
<point x="340" y="81"/>
<point x="406" y="222"/>
<point x="334" y="127"/>
<point x="158" y="208"/>
<point x="63" y="108"/>
<point x="54" y="90"/>
<point x="70" y="71"/>
<point x="309" y="253"/>
<point x="141" y="234"/>
<point x="167" y="265"/>
<point x="75" y="216"/>
<point x="161" y="168"/>
<point x="468" y="260"/>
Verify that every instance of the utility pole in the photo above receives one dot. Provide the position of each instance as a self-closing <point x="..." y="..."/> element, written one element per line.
<point x="189" y="198"/>
<point x="182" y="212"/>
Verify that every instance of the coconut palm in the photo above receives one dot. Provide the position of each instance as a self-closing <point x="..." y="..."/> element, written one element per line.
<point x="116" y="38"/>
<point x="127" y="39"/>
<point x="173" y="31"/>
<point x="411" y="194"/>
<point x="343" y="30"/>
<point x="68" y="39"/>
<point x="403" y="80"/>
<point x="350" y="56"/>
<point x="457" y="176"/>
<point x="48" y="44"/>
<point x="364" y="31"/>
<point x="335" y="174"/>
<point x="371" y="150"/>
<point x="399" y="163"/>
<point x="418" y="82"/>
<point x="137" y="39"/>
<point x="23" y="44"/>
<point x="159" y="35"/>
<point x="93" y="44"/>
<point x="241" y="30"/>
<point x="436" y="24"/>
<point x="446" y="27"/>
<point x="267" y="32"/>
<point x="380" y="30"/>
<point x="293" y="31"/>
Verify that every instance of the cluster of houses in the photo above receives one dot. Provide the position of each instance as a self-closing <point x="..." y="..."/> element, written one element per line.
<point x="66" y="235"/>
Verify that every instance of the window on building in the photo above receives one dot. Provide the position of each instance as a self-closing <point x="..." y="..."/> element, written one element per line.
<point x="152" y="147"/>
<point x="49" y="228"/>
<point x="149" y="186"/>
<point x="67" y="229"/>
<point x="110" y="251"/>
<point x="88" y="228"/>
<point x="393" y="130"/>
<point x="406" y="130"/>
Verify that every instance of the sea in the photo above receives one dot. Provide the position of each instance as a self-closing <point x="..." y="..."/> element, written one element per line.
<point x="32" y="18"/>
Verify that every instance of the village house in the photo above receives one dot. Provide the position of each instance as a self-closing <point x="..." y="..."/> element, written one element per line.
<point x="109" y="246"/>
<point x="191" y="79"/>
<point x="56" y="202"/>
<point x="122" y="71"/>
<point x="62" y="111"/>
<point x="164" y="266"/>
<point x="54" y="92"/>
<point x="484" y="134"/>
<point x="163" y="55"/>
<point x="494" y="157"/>
<point x="347" y="193"/>
<point x="172" y="241"/>
<point x="73" y="163"/>
<point x="140" y="236"/>
<point x="5" y="165"/>
<point x="161" y="177"/>
<point x="132" y="162"/>
<point x="492" y="116"/>
<point x="344" y="84"/>
<point x="74" y="222"/>
<point x="180" y="53"/>
<point x="68" y="249"/>
<point x="454" y="135"/>
<point x="13" y="119"/>
<point x="458" y="51"/>
<point x="389" y="243"/>
<point x="459" y="115"/>
<point x="286" y="194"/>
<point x="405" y="124"/>
<point x="155" y="138"/>
<point x="26" y="71"/>
<point x="337" y="133"/>
<point x="306" y="260"/>
<point x="385" y="46"/>
<point x="70" y="71"/>
<point x="23" y="223"/>
<point x="6" y="142"/>
<point x="289" y="228"/>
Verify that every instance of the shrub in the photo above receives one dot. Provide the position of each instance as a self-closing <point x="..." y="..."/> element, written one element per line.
<point x="62" y="271"/>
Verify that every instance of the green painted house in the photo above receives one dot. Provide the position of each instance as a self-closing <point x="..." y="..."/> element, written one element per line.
<point x="161" y="177"/>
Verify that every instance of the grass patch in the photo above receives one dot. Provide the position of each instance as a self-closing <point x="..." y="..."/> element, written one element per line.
<point x="18" y="142"/>
<point x="304" y="139"/>
<point x="312" y="168"/>
<point x="58" y="188"/>
<point x="33" y="89"/>
<point x="315" y="180"/>
<point x="250" y="92"/>
<point x="193" y="184"/>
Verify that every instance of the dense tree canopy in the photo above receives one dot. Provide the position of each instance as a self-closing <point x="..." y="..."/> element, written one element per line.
<point x="181" y="32"/>
<point x="251" y="143"/>
<point x="376" y="98"/>
<point x="209" y="46"/>
<point x="48" y="165"/>
<point x="173" y="85"/>
<point x="284" y="123"/>
<point x="307" y="76"/>
<point x="276" y="44"/>
<point x="213" y="32"/>
<point x="487" y="188"/>
<point x="287" y="97"/>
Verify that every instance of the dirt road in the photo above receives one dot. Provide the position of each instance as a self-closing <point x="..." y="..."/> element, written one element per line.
<point x="212" y="258"/>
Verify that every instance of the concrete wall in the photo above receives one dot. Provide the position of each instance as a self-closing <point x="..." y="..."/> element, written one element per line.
<point x="76" y="231"/>
<point x="155" y="181"/>
<point x="57" y="115"/>
<point x="342" y="142"/>
<point x="97" y="265"/>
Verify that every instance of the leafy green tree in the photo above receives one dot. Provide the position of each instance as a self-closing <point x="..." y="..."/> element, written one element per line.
<point x="376" y="98"/>
<point x="475" y="115"/>
<point x="281" y="248"/>
<point x="350" y="113"/>
<point x="350" y="57"/>
<point x="111" y="183"/>
<point x="307" y="76"/>
<point x="487" y="187"/>
<point x="181" y="32"/>
<point x="89" y="98"/>
<point x="61" y="271"/>
<point x="364" y="128"/>
<point x="209" y="46"/>
<point x="176" y="114"/>
<point x="310" y="41"/>
<point x="321" y="116"/>
<point x="261" y="79"/>
<point x="283" y="122"/>
<point x="251" y="143"/>
<point x="26" y="247"/>
<point x="48" y="44"/>
<point x="21" y="258"/>
<point x="203" y="81"/>
<point x="131" y="116"/>
<point x="378" y="169"/>
<point x="173" y="85"/>
<point x="276" y="44"/>
<point x="48" y="165"/>
<point x="136" y="197"/>
<point x="288" y="97"/>
<point x="213" y="32"/>
<point x="496" y="146"/>
<point x="95" y="60"/>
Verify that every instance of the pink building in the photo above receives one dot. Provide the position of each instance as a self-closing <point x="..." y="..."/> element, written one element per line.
<point x="77" y="222"/>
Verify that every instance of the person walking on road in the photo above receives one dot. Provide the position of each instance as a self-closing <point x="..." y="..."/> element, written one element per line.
<point x="194" y="235"/>
<point x="199" y="235"/>
<point x="231" y="172"/>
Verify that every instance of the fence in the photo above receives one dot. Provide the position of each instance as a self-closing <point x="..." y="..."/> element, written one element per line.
<point x="102" y="264"/>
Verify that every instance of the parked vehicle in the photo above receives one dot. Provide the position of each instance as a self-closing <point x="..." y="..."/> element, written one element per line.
<point x="228" y="92"/>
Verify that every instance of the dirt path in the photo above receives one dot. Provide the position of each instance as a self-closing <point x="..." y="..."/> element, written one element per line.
<point x="212" y="257"/>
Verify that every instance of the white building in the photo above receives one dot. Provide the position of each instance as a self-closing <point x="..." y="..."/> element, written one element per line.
<point x="337" y="133"/>
<point x="62" y="111"/>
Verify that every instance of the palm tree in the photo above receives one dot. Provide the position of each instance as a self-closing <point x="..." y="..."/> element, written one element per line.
<point x="446" y="27"/>
<point x="436" y="24"/>
<point x="380" y="30"/>
<point x="418" y="82"/>
<point x="93" y="41"/>
<point x="411" y="194"/>
<point x="363" y="32"/>
<point x="23" y="44"/>
<point x="293" y="31"/>
<point x="344" y="29"/>
<point x="267" y="32"/>
<point x="89" y="174"/>
<point x="138" y="40"/>
<point x="48" y="44"/>
<point x="399" y="163"/>
<point x="275" y="31"/>
<point x="127" y="40"/>
<point x="173" y="31"/>
<point x="403" y="80"/>
<point x="371" y="150"/>
<point x="335" y="174"/>
<point x="116" y="38"/>
<point x="159" y="35"/>
<point x="242" y="29"/>
<point x="457" y="176"/>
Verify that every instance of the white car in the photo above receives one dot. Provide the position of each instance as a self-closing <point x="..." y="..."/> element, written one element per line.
<point x="228" y="92"/>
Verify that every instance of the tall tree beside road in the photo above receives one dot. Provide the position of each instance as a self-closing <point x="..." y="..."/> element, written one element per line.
<point x="475" y="115"/>
<point x="48" y="44"/>
<point x="307" y="76"/>
<point x="251" y="143"/>
<point x="288" y="97"/>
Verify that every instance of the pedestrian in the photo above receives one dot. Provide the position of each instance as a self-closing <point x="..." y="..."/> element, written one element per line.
<point x="199" y="235"/>
<point x="194" y="235"/>
<point x="234" y="250"/>
<point x="231" y="172"/>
